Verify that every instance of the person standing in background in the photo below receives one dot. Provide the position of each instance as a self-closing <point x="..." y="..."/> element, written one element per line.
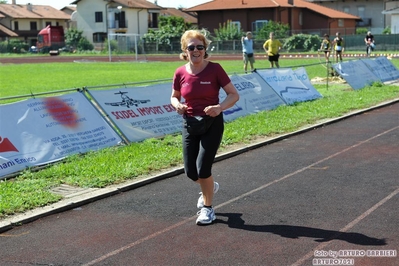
<point x="326" y="47"/>
<point x="198" y="82"/>
<point x="370" y="45"/>
<point x="272" y="48"/>
<point x="248" y="51"/>
<point x="338" y="47"/>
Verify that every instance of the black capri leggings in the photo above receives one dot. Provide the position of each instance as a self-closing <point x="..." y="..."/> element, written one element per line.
<point x="199" y="151"/>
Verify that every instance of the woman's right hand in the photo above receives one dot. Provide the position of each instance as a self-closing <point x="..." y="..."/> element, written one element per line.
<point x="181" y="108"/>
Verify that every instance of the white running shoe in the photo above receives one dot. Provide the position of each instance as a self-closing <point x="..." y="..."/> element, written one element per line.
<point x="206" y="216"/>
<point x="200" y="202"/>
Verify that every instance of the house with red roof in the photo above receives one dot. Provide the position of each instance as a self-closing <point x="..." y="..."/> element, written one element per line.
<point x="302" y="16"/>
<point x="25" y="21"/>
<point x="371" y="12"/>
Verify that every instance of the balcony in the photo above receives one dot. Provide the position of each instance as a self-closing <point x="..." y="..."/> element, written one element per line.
<point x="366" y="22"/>
<point x="117" y="24"/>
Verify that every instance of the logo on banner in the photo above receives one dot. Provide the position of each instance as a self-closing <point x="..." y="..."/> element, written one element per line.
<point x="6" y="145"/>
<point x="61" y="112"/>
<point x="127" y="101"/>
<point x="294" y="89"/>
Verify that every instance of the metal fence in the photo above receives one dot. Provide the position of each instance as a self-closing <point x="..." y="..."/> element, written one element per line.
<point x="384" y="42"/>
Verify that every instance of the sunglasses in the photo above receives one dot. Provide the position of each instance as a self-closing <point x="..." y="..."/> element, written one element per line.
<point x="192" y="47"/>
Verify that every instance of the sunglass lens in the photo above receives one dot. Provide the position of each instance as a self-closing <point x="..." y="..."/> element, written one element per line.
<point x="192" y="47"/>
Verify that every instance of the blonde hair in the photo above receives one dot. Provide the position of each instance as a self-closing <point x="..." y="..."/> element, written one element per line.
<point x="193" y="34"/>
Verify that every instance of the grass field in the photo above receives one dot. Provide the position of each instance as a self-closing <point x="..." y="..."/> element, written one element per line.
<point x="115" y="165"/>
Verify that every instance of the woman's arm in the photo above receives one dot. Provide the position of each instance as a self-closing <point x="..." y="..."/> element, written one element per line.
<point x="175" y="99"/>
<point x="229" y="101"/>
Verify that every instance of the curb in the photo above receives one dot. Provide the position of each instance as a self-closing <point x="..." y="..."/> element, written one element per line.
<point x="83" y="198"/>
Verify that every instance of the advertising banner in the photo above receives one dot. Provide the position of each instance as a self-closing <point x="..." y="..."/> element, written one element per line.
<point x="382" y="68"/>
<point x="39" y="131"/>
<point x="141" y="112"/>
<point x="356" y="73"/>
<point x="292" y="86"/>
<point x="255" y="95"/>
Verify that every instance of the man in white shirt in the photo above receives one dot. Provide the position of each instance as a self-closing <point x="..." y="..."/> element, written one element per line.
<point x="248" y="51"/>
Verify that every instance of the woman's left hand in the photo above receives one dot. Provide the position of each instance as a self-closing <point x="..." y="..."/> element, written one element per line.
<point x="213" y="110"/>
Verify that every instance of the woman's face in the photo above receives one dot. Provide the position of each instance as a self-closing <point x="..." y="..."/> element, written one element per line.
<point x="195" y="50"/>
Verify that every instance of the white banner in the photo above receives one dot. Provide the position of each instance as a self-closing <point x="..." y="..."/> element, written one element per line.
<point x="356" y="73"/>
<point x="382" y="68"/>
<point x="255" y="95"/>
<point x="43" y="130"/>
<point x="292" y="86"/>
<point x="141" y="112"/>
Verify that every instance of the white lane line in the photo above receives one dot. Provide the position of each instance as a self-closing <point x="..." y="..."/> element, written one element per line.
<point x="167" y="229"/>
<point x="347" y="227"/>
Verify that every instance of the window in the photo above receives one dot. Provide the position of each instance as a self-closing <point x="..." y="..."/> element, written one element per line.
<point x="16" y="25"/>
<point x="361" y="10"/>
<point x="99" y="37"/>
<point x="258" y="24"/>
<point x="48" y="23"/>
<point x="99" y="16"/>
<point x="346" y="9"/>
<point x="121" y="19"/>
<point x="33" y="25"/>
<point x="236" y="24"/>
<point x="300" y="18"/>
<point x="153" y="20"/>
<point x="340" y="22"/>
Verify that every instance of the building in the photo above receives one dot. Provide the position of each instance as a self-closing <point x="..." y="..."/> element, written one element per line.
<point x="189" y="17"/>
<point x="371" y="12"/>
<point x="302" y="16"/>
<point x="25" y="21"/>
<point x="98" y="18"/>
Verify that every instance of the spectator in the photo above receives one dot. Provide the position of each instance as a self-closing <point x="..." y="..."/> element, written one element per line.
<point x="272" y="48"/>
<point x="248" y="51"/>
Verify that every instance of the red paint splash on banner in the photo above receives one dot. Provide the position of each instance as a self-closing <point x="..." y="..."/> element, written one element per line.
<point x="6" y="145"/>
<point x="61" y="112"/>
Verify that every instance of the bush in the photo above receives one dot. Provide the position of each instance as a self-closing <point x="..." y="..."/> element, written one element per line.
<point x="302" y="42"/>
<point x="387" y="30"/>
<point x="228" y="31"/>
<point x="361" y="31"/>
<point x="281" y="31"/>
<point x="85" y="45"/>
<point x="13" y="46"/>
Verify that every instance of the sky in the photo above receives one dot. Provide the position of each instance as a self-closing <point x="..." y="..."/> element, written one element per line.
<point x="62" y="3"/>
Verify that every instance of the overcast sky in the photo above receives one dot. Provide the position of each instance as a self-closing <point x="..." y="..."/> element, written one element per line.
<point x="61" y="3"/>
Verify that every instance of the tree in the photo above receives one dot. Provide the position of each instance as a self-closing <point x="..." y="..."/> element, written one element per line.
<point x="3" y="1"/>
<point x="170" y="29"/>
<point x="228" y="31"/>
<point x="74" y="39"/>
<point x="280" y="31"/>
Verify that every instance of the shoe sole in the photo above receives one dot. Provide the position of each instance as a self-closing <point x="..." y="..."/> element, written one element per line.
<point x="202" y="223"/>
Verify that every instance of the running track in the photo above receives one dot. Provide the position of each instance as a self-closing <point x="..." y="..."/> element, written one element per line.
<point x="293" y="201"/>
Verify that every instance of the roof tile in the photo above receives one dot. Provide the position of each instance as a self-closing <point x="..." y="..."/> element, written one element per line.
<point x="38" y="12"/>
<point x="246" y="4"/>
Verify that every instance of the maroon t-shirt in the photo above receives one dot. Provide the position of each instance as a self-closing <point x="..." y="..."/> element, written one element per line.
<point x="200" y="90"/>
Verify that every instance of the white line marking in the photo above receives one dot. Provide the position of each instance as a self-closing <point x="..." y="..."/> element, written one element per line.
<point x="167" y="229"/>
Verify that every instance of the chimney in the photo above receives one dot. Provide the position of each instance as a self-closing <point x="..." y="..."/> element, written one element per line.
<point x="14" y="2"/>
<point x="29" y="7"/>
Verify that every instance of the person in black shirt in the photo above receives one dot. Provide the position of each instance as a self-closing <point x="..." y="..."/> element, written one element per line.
<point x="370" y="45"/>
<point x="338" y="47"/>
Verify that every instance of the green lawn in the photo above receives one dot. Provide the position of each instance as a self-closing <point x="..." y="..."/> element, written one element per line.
<point x="118" y="164"/>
